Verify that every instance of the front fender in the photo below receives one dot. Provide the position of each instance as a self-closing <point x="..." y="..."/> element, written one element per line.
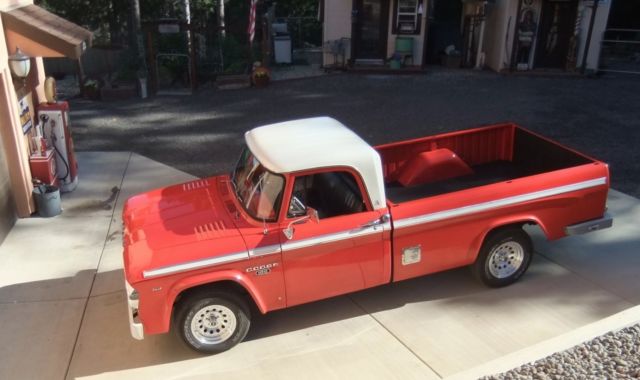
<point x="204" y="279"/>
<point x="208" y="278"/>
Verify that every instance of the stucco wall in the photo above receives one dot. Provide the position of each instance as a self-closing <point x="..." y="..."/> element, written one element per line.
<point x="16" y="157"/>
<point x="337" y="24"/>
<point x="7" y="209"/>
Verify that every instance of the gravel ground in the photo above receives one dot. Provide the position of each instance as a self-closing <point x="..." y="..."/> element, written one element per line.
<point x="615" y="355"/>
<point x="202" y="134"/>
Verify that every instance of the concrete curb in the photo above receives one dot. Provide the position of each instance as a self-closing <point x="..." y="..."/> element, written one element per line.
<point x="560" y="343"/>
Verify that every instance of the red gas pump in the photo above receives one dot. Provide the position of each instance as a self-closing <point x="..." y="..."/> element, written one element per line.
<point x="55" y="129"/>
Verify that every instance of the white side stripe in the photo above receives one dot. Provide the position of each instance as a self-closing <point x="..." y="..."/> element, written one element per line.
<point x="465" y="210"/>
<point x="197" y="264"/>
<point x="330" y="238"/>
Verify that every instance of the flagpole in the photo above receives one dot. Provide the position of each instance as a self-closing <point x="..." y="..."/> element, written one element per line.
<point x="251" y="30"/>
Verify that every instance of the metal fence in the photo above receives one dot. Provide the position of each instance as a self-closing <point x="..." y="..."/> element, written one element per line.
<point x="620" y="51"/>
<point x="95" y="61"/>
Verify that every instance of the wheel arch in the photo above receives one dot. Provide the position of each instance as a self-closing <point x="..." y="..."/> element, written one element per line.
<point x="501" y="225"/>
<point x="232" y="281"/>
<point x="217" y="286"/>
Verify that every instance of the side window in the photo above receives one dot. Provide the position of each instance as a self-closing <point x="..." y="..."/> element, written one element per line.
<point x="331" y="194"/>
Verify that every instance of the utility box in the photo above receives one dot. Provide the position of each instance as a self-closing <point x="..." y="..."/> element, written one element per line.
<point x="282" y="49"/>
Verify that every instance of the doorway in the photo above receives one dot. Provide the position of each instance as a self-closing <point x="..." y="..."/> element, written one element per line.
<point x="443" y="28"/>
<point x="557" y="24"/>
<point x="370" y="19"/>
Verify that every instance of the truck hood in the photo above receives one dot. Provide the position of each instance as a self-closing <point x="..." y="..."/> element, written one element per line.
<point x="178" y="224"/>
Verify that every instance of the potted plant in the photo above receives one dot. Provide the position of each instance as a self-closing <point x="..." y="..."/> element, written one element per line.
<point x="91" y="89"/>
<point x="261" y="77"/>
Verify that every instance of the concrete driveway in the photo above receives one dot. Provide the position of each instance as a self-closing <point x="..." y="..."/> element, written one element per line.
<point x="63" y="309"/>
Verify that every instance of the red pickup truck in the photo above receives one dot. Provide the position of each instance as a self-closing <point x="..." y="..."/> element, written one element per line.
<point x="312" y="211"/>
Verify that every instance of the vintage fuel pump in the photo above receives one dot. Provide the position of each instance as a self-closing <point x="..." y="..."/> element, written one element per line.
<point x="55" y="128"/>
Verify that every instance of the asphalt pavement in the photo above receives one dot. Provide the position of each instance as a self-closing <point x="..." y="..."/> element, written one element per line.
<point x="202" y="134"/>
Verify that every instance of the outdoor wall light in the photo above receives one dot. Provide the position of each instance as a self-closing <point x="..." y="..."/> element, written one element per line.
<point x="20" y="64"/>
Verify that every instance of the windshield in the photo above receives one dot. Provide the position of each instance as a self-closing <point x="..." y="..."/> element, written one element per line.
<point x="258" y="190"/>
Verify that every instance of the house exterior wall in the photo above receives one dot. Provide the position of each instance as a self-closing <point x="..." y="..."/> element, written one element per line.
<point x="7" y="207"/>
<point x="500" y="29"/>
<point x="337" y="24"/>
<point x="14" y="145"/>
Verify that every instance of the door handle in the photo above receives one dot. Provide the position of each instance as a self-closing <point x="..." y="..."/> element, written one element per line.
<point x="381" y="220"/>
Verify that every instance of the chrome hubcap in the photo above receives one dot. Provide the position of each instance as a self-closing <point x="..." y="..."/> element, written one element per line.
<point x="213" y="324"/>
<point x="505" y="259"/>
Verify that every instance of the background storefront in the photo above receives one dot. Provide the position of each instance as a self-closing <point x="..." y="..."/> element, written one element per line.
<point x="524" y="35"/>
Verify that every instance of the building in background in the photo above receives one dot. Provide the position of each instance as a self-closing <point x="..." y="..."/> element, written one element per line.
<point x="523" y="35"/>
<point x="373" y="30"/>
<point x="621" y="43"/>
<point x="502" y="35"/>
<point x="37" y="33"/>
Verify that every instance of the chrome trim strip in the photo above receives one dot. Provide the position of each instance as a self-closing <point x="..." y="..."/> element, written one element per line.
<point x="197" y="264"/>
<point x="264" y="251"/>
<point x="331" y="238"/>
<point x="479" y="207"/>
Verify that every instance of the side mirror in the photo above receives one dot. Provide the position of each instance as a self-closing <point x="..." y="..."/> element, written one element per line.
<point x="312" y="214"/>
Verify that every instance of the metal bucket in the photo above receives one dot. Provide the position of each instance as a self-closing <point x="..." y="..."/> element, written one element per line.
<point x="47" y="199"/>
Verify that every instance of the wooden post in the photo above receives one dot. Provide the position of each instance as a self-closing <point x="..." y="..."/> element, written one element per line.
<point x="80" y="73"/>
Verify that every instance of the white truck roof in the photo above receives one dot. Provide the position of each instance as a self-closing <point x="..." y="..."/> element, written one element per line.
<point x="317" y="142"/>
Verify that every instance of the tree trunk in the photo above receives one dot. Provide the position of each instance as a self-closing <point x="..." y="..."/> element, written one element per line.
<point x="135" y="38"/>
<point x="220" y="19"/>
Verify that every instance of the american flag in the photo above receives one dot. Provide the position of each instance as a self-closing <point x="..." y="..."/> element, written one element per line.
<point x="251" y="29"/>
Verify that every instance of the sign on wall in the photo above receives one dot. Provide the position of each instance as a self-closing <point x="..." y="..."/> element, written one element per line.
<point x="526" y="33"/>
<point x="25" y="114"/>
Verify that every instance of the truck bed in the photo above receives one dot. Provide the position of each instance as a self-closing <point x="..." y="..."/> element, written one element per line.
<point x="485" y="155"/>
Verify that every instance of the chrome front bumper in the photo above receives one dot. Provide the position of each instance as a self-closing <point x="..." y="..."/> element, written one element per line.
<point x="135" y="326"/>
<point x="589" y="226"/>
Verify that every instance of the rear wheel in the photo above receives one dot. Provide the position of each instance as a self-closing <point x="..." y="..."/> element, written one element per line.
<point x="212" y="322"/>
<point x="504" y="257"/>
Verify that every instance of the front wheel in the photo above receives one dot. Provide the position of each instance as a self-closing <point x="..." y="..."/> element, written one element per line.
<point x="503" y="258"/>
<point x="213" y="323"/>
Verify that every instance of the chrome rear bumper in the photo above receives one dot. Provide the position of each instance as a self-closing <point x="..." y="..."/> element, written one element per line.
<point x="589" y="226"/>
